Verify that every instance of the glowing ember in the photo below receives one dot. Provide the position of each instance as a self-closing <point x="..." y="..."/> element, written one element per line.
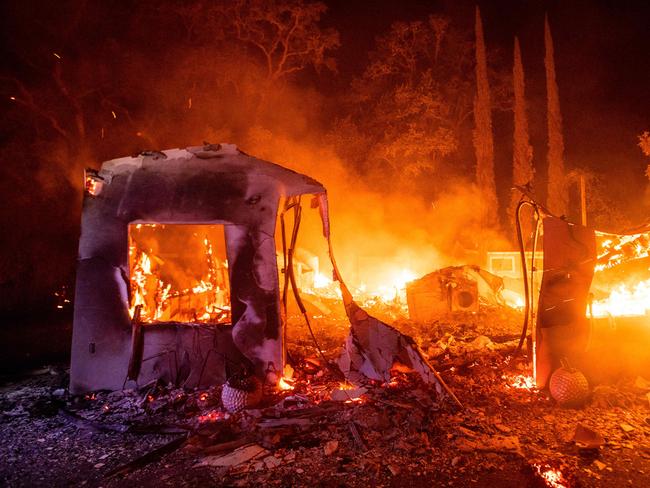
<point x="348" y="393"/>
<point x="521" y="382"/>
<point x="354" y="400"/>
<point x="212" y="416"/>
<point x="94" y="185"/>
<point x="551" y="476"/>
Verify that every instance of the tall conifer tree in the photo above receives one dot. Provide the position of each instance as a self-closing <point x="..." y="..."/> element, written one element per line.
<point x="483" y="139"/>
<point x="557" y="197"/>
<point x="522" y="154"/>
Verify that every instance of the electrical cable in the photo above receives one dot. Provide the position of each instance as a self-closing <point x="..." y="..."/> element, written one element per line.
<point x="522" y="252"/>
<point x="297" y="215"/>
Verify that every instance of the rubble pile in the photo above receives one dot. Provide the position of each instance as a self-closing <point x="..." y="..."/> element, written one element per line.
<point x="321" y="430"/>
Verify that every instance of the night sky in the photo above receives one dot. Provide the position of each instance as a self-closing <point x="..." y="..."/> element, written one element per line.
<point x="601" y="47"/>
<point x="602" y="65"/>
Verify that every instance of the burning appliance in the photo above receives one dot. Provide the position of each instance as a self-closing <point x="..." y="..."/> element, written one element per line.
<point x="451" y="289"/>
<point x="177" y="278"/>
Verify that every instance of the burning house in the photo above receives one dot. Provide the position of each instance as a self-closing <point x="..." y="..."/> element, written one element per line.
<point x="177" y="275"/>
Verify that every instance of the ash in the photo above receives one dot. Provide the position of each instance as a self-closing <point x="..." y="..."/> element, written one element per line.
<point x="322" y="431"/>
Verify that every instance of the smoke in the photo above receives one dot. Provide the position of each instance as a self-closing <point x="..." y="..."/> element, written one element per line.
<point x="380" y="231"/>
<point x="157" y="89"/>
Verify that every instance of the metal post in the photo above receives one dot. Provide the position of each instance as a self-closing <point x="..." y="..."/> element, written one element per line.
<point x="583" y="200"/>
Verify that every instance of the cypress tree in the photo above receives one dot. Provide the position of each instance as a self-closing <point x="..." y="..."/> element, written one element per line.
<point x="557" y="197"/>
<point x="483" y="139"/>
<point x="522" y="154"/>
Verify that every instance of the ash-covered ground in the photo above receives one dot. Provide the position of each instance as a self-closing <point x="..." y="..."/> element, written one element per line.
<point x="398" y="433"/>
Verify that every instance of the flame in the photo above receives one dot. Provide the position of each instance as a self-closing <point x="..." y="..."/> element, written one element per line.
<point x="521" y="382"/>
<point x="624" y="299"/>
<point x="285" y="384"/>
<point x="616" y="249"/>
<point x="393" y="287"/>
<point x="321" y="281"/>
<point x="513" y="299"/>
<point x="207" y="301"/>
<point x="552" y="477"/>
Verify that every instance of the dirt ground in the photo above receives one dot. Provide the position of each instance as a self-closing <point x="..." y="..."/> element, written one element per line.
<point x="399" y="433"/>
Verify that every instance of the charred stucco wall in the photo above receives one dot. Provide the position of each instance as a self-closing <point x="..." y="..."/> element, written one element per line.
<point x="198" y="185"/>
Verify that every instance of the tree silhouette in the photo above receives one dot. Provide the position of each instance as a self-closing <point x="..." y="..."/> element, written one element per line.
<point x="483" y="138"/>
<point x="411" y="102"/>
<point x="558" y="198"/>
<point x="284" y="34"/>
<point x="522" y="154"/>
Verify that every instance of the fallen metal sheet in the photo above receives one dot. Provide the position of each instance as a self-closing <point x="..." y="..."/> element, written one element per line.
<point x="373" y="348"/>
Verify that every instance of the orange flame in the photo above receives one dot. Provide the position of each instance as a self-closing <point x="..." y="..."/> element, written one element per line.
<point x="624" y="299"/>
<point x="207" y="301"/>
<point x="285" y="384"/>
